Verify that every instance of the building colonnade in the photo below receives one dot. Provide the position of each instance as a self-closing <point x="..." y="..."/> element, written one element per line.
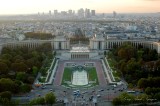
<point x="79" y="56"/>
<point x="116" y="43"/>
<point x="94" y="45"/>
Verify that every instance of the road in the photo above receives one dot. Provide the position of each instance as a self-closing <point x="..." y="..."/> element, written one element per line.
<point x="63" y="93"/>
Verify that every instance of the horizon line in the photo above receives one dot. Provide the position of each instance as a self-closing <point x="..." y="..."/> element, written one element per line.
<point x="46" y="13"/>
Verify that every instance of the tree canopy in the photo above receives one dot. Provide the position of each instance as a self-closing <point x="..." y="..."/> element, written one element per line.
<point x="19" y="67"/>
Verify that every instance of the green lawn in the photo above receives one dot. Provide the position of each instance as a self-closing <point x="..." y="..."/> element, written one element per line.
<point x="92" y="74"/>
<point x="42" y="80"/>
<point x="67" y="74"/>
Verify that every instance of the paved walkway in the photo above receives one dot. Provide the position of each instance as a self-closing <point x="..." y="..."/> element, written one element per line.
<point x="100" y="73"/>
<point x="59" y="73"/>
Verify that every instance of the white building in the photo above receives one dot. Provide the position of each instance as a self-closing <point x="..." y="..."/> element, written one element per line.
<point x="93" y="50"/>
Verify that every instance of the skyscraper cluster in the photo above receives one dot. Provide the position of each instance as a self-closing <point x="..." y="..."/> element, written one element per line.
<point x="87" y="13"/>
<point x="81" y="13"/>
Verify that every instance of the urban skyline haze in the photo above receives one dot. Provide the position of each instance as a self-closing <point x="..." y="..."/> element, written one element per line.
<point x="101" y="6"/>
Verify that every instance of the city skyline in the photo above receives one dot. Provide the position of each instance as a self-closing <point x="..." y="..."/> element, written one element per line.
<point x="8" y="7"/>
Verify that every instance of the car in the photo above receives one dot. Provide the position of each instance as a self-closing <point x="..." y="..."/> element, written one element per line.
<point x="114" y="86"/>
<point x="43" y="87"/>
<point x="57" y="100"/>
<point x="121" y="90"/>
<point x="51" y="89"/>
<point x="131" y="91"/>
<point x="83" y="92"/>
<point x="92" y="97"/>
<point x="32" y="90"/>
<point x="102" y="89"/>
<point x="39" y="95"/>
<point x="99" y="90"/>
<point x="98" y="96"/>
<point x="93" y="90"/>
<point x="78" y="91"/>
<point x="86" y="91"/>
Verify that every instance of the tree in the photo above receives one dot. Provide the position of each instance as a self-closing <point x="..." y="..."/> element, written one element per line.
<point x="30" y="62"/>
<point x="6" y="94"/>
<point x="34" y="70"/>
<point x="143" y="98"/>
<point x="130" y="85"/>
<point x="18" y="57"/>
<point x="139" y="54"/>
<point x="124" y="99"/>
<point x="6" y="56"/>
<point x="122" y="53"/>
<point x="6" y="84"/>
<point x="142" y="83"/>
<point x="37" y="101"/>
<point x="30" y="79"/>
<point x="4" y="102"/>
<point x="126" y="51"/>
<point x="116" y="101"/>
<point x="33" y="102"/>
<point x="50" y="98"/>
<point x="6" y="50"/>
<point x="3" y="68"/>
<point x="157" y="96"/>
<point x="7" y="62"/>
<point x="19" y="67"/>
<point x="25" y="88"/>
<point x="41" y="100"/>
<point x="148" y="90"/>
<point x="21" y="76"/>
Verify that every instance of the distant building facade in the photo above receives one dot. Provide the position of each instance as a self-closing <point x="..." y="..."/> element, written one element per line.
<point x="93" y="50"/>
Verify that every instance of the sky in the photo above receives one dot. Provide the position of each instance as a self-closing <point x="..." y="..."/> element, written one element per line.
<point x="101" y="6"/>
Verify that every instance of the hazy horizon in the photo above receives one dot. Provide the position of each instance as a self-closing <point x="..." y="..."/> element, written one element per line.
<point x="15" y="7"/>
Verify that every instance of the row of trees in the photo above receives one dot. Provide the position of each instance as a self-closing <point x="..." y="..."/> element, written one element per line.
<point x="39" y="35"/>
<point x="48" y="99"/>
<point x="126" y="99"/>
<point x="151" y="86"/>
<point x="149" y="82"/>
<point x="139" y="66"/>
<point x="136" y="63"/>
<point x="79" y="39"/>
<point x="14" y="86"/>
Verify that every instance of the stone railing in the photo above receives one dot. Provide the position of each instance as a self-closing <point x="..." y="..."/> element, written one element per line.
<point x="50" y="70"/>
<point x="110" y="69"/>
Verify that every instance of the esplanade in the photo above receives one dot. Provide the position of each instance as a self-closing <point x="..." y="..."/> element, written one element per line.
<point x="93" y="49"/>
